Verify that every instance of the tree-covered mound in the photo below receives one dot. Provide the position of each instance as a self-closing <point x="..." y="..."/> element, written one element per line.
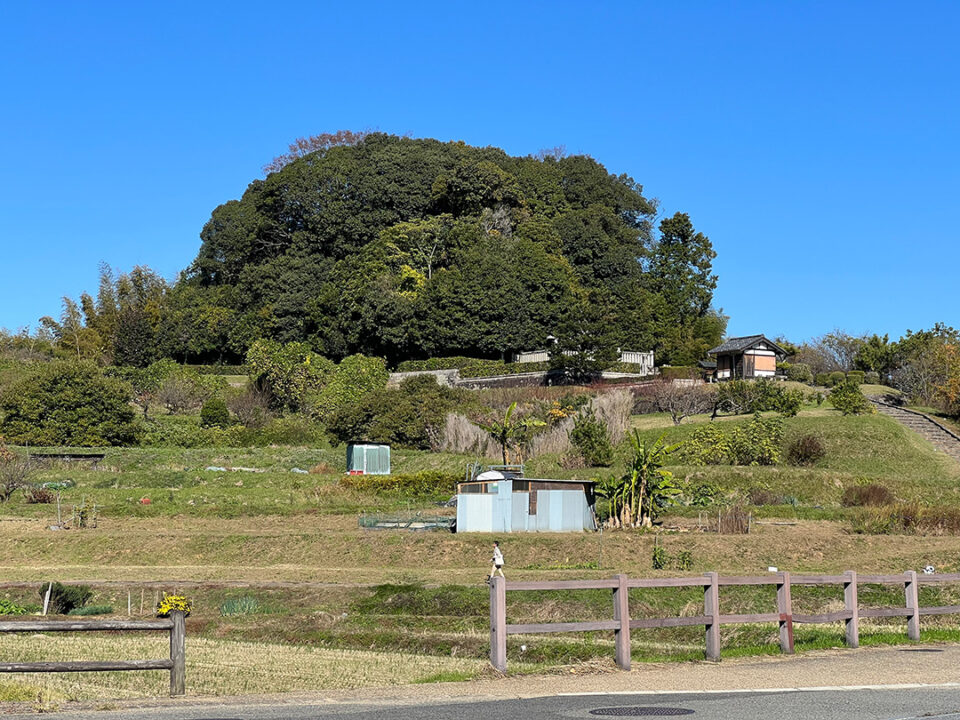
<point x="411" y="248"/>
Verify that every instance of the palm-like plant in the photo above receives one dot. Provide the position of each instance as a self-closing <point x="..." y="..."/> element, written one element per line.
<point x="651" y="486"/>
<point x="637" y="497"/>
<point x="509" y="432"/>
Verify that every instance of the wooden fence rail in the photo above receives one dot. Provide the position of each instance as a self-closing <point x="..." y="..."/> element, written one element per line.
<point x="711" y="620"/>
<point x="175" y="663"/>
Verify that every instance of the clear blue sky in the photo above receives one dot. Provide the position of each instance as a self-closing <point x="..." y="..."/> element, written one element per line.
<point x="815" y="143"/>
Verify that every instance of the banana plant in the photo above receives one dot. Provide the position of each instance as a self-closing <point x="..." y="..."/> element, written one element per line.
<point x="652" y="488"/>
<point x="509" y="432"/>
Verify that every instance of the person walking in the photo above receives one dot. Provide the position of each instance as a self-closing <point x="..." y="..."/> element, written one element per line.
<point x="497" y="561"/>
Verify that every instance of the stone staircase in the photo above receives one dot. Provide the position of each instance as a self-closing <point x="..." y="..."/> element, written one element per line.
<point x="942" y="439"/>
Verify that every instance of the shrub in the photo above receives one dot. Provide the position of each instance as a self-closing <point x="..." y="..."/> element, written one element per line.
<point x="186" y="432"/>
<point x="799" y="372"/>
<point x="427" y="482"/>
<point x="760" y="496"/>
<point x="39" y="496"/>
<point x="64" y="598"/>
<point x="591" y="439"/>
<point x="871" y="495"/>
<point x="92" y="610"/>
<point x="356" y="377"/>
<point x="837" y="378"/>
<point x="788" y="402"/>
<point x="703" y="493"/>
<point x="856" y="376"/>
<point x="288" y="374"/>
<point x="169" y="603"/>
<point x="295" y="430"/>
<point x="806" y="450"/>
<point x="683" y="560"/>
<point x="849" y="399"/>
<point x="69" y="404"/>
<point x="749" y="396"/>
<point x="757" y="443"/>
<point x="871" y="377"/>
<point x="708" y="445"/>
<point x="822" y="379"/>
<point x="251" y="407"/>
<point x="660" y="558"/>
<point x="15" y="471"/>
<point x="410" y="416"/>
<point x="214" y="413"/>
<point x="8" y="607"/>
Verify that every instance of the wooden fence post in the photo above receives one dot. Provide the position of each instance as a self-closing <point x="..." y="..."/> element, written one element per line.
<point x="498" y="623"/>
<point x="785" y="608"/>
<point x="852" y="606"/>
<point x="913" y="605"/>
<point x="621" y="612"/>
<point x="178" y="671"/>
<point x="711" y="608"/>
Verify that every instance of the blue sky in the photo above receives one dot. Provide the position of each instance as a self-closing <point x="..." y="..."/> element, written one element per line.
<point x="815" y="143"/>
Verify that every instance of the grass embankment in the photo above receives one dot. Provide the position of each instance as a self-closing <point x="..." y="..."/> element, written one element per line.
<point x="311" y="639"/>
<point x="280" y="526"/>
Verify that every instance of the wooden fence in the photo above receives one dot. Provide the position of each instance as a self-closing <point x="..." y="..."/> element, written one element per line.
<point x="711" y="620"/>
<point x="175" y="663"/>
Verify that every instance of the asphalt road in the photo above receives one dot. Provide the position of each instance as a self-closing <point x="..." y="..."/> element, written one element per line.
<point x="889" y="703"/>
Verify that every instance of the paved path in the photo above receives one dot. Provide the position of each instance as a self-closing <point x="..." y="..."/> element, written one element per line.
<point x="872" y="704"/>
<point x="888" y="683"/>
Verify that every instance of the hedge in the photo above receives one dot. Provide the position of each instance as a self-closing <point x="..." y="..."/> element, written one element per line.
<point x="427" y="482"/>
<point x="445" y="363"/>
<point x="837" y="378"/>
<point x="628" y="368"/>
<point x="668" y="372"/>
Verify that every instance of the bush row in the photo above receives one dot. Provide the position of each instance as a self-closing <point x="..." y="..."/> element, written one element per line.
<point x="427" y="482"/>
<point x="757" y="442"/>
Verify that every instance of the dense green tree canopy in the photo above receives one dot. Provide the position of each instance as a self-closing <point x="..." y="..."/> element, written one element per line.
<point x="405" y="248"/>
<point x="68" y="404"/>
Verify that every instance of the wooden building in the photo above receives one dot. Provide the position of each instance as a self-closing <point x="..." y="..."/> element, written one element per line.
<point x="753" y="356"/>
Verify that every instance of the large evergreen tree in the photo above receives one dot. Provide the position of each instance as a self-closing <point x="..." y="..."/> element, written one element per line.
<point x="404" y="248"/>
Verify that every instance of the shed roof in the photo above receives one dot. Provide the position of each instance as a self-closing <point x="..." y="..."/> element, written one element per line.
<point x="526" y="479"/>
<point x="738" y="344"/>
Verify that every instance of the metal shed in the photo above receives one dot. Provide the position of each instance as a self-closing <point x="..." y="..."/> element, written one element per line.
<point x="368" y="459"/>
<point x="496" y="502"/>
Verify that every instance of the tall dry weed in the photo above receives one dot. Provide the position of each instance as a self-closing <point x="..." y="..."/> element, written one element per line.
<point x="613" y="410"/>
<point x="555" y="441"/>
<point x="459" y="435"/>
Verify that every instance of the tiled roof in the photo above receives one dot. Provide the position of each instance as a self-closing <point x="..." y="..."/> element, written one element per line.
<point x="742" y="343"/>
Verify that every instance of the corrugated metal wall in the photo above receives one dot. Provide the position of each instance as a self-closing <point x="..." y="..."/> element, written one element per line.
<point x="507" y="511"/>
